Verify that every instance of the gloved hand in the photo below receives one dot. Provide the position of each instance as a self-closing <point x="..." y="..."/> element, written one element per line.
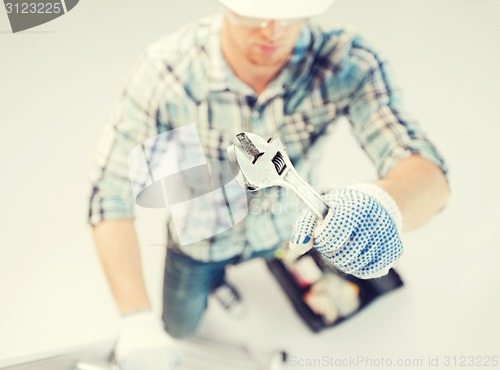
<point x="144" y="345"/>
<point x="360" y="233"/>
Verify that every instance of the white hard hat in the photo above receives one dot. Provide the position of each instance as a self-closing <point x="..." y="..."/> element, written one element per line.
<point x="277" y="9"/>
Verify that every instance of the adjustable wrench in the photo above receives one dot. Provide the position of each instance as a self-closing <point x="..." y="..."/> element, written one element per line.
<point x="271" y="166"/>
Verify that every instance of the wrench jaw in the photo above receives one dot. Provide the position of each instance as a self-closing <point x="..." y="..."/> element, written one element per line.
<point x="269" y="163"/>
<point x="271" y="166"/>
<point x="233" y="160"/>
<point x="247" y="171"/>
<point x="253" y="144"/>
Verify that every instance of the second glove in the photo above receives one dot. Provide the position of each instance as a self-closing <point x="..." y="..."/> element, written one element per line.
<point x="359" y="235"/>
<point x="144" y="345"/>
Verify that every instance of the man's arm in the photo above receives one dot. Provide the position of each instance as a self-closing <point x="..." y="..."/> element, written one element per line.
<point x="410" y="167"/>
<point x="360" y="235"/>
<point x="118" y="250"/>
<point x="135" y="120"/>
<point x="142" y="341"/>
<point x="419" y="188"/>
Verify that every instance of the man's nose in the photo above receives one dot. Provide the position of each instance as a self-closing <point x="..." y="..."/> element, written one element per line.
<point x="273" y="31"/>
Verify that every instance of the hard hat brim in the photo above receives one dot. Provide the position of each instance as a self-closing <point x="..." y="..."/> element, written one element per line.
<point x="277" y="9"/>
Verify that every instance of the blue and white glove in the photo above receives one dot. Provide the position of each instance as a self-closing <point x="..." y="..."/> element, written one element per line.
<point x="359" y="235"/>
<point x="143" y="344"/>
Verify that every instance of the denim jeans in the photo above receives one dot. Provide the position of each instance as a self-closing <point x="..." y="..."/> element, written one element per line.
<point x="186" y="286"/>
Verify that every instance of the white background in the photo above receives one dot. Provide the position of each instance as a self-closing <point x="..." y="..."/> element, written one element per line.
<point x="58" y="83"/>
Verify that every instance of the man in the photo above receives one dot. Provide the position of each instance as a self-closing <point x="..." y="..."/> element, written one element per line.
<point x="263" y="68"/>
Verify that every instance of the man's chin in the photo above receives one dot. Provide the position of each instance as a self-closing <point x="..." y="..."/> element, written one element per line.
<point x="267" y="61"/>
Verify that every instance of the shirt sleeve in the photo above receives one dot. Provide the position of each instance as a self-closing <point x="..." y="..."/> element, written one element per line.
<point x="382" y="127"/>
<point x="136" y="117"/>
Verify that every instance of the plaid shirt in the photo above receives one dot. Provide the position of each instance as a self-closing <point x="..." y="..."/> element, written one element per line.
<point x="184" y="79"/>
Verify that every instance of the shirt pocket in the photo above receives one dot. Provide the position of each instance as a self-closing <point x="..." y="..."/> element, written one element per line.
<point x="301" y="129"/>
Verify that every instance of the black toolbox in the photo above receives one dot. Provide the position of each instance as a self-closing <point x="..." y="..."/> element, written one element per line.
<point x="369" y="290"/>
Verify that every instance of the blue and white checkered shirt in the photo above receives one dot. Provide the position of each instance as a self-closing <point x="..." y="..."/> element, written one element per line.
<point x="183" y="79"/>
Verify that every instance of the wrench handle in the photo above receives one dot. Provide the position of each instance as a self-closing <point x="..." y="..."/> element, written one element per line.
<point x="311" y="197"/>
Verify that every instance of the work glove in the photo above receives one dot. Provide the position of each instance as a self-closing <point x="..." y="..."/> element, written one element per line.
<point x="144" y="345"/>
<point x="360" y="235"/>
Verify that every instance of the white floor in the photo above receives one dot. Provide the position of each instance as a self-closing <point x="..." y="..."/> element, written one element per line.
<point x="57" y="88"/>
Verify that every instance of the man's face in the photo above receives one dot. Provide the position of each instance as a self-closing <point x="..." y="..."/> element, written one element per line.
<point x="261" y="42"/>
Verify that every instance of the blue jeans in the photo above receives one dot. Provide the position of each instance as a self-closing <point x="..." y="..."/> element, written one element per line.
<point x="186" y="286"/>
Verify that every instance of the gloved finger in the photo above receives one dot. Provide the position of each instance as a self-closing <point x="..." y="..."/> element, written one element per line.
<point x="378" y="256"/>
<point x="358" y="235"/>
<point x="302" y="237"/>
<point x="352" y="241"/>
<point x="335" y="230"/>
<point x="375" y="250"/>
